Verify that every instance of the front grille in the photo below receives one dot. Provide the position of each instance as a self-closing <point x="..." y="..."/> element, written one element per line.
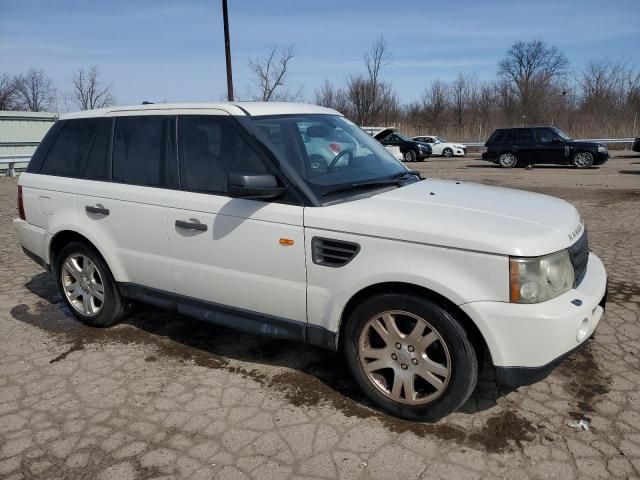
<point x="333" y="253"/>
<point x="579" y="253"/>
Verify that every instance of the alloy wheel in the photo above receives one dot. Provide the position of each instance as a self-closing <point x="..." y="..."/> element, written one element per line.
<point x="582" y="160"/>
<point x="404" y="357"/>
<point x="82" y="284"/>
<point x="508" y="160"/>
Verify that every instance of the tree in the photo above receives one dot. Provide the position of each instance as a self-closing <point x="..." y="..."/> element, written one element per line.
<point x="8" y="92"/>
<point x="460" y="91"/>
<point x="333" y="97"/>
<point x="89" y="92"/>
<point x="35" y="92"/>
<point x="367" y="94"/>
<point x="270" y="74"/>
<point x="435" y="100"/>
<point x="529" y="69"/>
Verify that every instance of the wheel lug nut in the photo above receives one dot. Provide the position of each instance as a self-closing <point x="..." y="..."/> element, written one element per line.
<point x="414" y="361"/>
<point x="398" y="346"/>
<point x="410" y="348"/>
<point x="394" y="356"/>
<point x="404" y="367"/>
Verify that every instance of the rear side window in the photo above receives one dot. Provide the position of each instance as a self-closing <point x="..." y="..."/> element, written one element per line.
<point x="209" y="148"/>
<point x="68" y="154"/>
<point x="502" y="136"/>
<point x="144" y="151"/>
<point x="38" y="157"/>
<point x="99" y="162"/>
<point x="525" y="135"/>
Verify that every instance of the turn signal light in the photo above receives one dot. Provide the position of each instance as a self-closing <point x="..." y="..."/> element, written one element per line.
<point x="286" y="242"/>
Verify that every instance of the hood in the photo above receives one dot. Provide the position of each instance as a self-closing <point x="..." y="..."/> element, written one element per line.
<point x="458" y="215"/>
<point x="385" y="132"/>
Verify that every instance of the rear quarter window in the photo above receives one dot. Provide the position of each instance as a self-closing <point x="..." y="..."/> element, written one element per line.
<point x="68" y="153"/>
<point x="501" y="136"/>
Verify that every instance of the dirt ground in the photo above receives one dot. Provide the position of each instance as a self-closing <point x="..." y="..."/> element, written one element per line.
<point x="163" y="395"/>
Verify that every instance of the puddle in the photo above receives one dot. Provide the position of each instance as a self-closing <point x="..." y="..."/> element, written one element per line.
<point x="587" y="383"/>
<point x="313" y="377"/>
<point x="623" y="292"/>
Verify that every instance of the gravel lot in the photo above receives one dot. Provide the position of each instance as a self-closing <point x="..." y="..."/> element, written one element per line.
<point x="165" y="395"/>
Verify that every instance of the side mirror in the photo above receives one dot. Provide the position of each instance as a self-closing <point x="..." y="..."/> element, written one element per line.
<point x="257" y="186"/>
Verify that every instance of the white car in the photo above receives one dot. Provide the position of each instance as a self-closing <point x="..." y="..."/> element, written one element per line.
<point x="215" y="211"/>
<point x="440" y="146"/>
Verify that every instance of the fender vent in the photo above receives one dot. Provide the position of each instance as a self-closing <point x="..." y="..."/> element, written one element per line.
<point x="333" y="253"/>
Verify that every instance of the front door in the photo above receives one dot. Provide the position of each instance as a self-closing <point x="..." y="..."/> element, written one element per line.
<point x="551" y="147"/>
<point x="526" y="148"/>
<point x="242" y="256"/>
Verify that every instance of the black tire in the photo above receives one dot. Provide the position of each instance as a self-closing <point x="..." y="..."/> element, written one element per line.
<point x="410" y="156"/>
<point x="463" y="375"/>
<point x="582" y="159"/>
<point x="113" y="307"/>
<point x="507" y="160"/>
<point x="447" y="152"/>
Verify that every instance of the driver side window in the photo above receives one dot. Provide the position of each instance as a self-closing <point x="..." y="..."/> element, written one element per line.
<point x="544" y="135"/>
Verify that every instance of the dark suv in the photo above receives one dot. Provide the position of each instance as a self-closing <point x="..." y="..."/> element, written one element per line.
<point x="509" y="147"/>
<point x="410" y="149"/>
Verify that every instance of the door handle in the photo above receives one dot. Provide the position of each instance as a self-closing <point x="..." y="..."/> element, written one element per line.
<point x="191" y="225"/>
<point x="98" y="210"/>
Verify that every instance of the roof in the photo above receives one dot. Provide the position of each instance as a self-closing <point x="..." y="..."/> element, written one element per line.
<point x="232" y="108"/>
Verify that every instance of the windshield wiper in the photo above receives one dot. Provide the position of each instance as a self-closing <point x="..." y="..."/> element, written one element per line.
<point x="362" y="186"/>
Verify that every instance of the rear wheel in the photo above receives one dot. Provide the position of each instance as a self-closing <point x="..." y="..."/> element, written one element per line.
<point x="447" y="152"/>
<point x="410" y="356"/>
<point x="582" y="159"/>
<point x="410" y="156"/>
<point x="87" y="286"/>
<point x="507" y="160"/>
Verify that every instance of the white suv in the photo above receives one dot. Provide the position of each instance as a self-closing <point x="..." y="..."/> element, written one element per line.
<point x="217" y="212"/>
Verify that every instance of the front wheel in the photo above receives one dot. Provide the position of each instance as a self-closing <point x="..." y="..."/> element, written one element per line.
<point x="87" y="286"/>
<point x="410" y="356"/>
<point x="582" y="160"/>
<point x="447" y="152"/>
<point x="410" y="156"/>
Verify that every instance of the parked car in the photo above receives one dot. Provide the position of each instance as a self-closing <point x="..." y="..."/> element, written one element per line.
<point x="636" y="145"/>
<point x="401" y="146"/>
<point x="216" y="211"/>
<point x="439" y="146"/>
<point x="509" y="147"/>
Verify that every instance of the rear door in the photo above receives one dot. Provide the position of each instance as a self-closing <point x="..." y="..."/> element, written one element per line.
<point x="120" y="203"/>
<point x="525" y="146"/>
<point x="243" y="255"/>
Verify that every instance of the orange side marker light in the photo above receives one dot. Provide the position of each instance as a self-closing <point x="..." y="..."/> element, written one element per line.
<point x="286" y="242"/>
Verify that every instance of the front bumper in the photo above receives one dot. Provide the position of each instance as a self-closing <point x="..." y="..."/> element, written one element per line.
<point x="601" y="158"/>
<point x="527" y="341"/>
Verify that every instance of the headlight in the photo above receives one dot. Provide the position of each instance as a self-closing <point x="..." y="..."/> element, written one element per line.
<point x="535" y="280"/>
<point x="603" y="148"/>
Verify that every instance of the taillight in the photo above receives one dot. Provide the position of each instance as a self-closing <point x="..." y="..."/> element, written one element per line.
<point x="335" y="147"/>
<point x="20" y="204"/>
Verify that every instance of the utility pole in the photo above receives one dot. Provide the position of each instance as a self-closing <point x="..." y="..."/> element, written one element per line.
<point x="227" y="50"/>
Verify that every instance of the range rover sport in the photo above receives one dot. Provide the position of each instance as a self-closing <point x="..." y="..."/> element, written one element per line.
<point x="216" y="211"/>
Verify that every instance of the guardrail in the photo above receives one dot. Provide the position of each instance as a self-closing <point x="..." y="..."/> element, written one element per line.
<point x="9" y="162"/>
<point x="598" y="140"/>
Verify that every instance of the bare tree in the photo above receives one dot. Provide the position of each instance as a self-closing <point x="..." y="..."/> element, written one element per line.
<point x="368" y="95"/>
<point x="270" y="74"/>
<point x="333" y="97"/>
<point x="530" y="68"/>
<point x="460" y="92"/>
<point x="35" y="92"/>
<point x="89" y="91"/>
<point x="8" y="92"/>
<point x="435" y="101"/>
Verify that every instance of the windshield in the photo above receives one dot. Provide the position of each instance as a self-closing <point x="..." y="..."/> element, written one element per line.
<point x="561" y="134"/>
<point x="327" y="151"/>
<point x="402" y="137"/>
<point x="441" y="140"/>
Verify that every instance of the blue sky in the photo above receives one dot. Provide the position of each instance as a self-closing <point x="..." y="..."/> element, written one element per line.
<point x="160" y="50"/>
